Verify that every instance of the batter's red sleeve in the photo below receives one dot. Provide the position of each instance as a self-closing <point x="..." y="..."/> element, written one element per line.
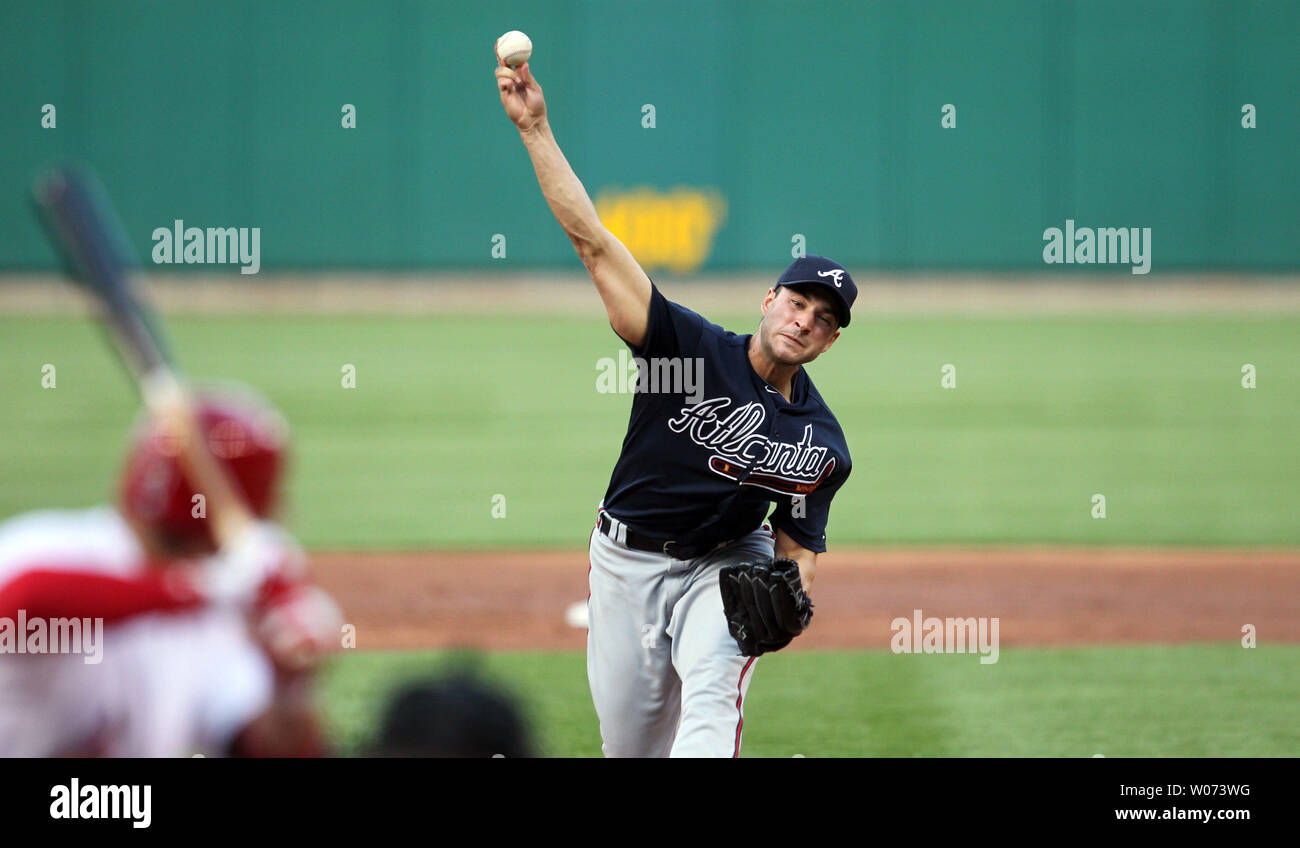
<point x="77" y="594"/>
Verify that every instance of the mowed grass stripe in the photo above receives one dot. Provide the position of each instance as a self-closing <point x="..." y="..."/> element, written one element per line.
<point x="1217" y="700"/>
<point x="448" y="412"/>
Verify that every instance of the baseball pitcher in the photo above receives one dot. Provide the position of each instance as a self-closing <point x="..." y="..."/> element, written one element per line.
<point x="691" y="579"/>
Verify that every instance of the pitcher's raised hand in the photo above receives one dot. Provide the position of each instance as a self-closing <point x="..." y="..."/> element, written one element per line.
<point x="520" y="95"/>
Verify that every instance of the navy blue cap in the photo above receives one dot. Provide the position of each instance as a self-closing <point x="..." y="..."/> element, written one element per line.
<point x="818" y="270"/>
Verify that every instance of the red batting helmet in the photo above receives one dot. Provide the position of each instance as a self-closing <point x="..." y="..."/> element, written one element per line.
<point x="247" y="437"/>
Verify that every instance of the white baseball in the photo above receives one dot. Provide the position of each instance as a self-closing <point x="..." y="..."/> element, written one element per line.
<point x="576" y="615"/>
<point x="514" y="48"/>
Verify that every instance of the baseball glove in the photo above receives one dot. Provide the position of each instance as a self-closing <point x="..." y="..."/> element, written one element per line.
<point x="765" y="604"/>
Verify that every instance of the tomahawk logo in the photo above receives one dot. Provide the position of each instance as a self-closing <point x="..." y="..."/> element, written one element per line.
<point x="743" y="454"/>
<point x="834" y="275"/>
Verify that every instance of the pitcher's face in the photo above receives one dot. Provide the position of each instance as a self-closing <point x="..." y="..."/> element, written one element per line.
<point x="799" y="324"/>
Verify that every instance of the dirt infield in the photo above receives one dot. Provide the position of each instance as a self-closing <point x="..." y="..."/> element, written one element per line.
<point x="1056" y="596"/>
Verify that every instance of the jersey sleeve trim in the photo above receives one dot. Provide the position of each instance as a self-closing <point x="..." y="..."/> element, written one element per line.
<point x="785" y="526"/>
<point x="72" y="594"/>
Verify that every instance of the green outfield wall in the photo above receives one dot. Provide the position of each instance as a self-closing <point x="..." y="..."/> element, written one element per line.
<point x="714" y="134"/>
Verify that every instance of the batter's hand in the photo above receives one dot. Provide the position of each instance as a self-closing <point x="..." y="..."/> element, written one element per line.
<point x="261" y="556"/>
<point x="520" y="95"/>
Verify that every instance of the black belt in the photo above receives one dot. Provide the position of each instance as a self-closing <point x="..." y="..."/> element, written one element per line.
<point x="641" y="542"/>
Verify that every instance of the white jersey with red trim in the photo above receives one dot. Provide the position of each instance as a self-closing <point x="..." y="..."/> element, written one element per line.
<point x="95" y="539"/>
<point x="158" y="683"/>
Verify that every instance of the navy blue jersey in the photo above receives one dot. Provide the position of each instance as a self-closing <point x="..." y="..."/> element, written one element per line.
<point x="707" y="465"/>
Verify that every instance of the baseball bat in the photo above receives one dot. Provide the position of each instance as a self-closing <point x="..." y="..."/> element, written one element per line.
<point x="89" y="236"/>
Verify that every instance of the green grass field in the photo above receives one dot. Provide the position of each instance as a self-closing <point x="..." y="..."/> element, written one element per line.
<point x="1183" y="701"/>
<point x="448" y="412"/>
